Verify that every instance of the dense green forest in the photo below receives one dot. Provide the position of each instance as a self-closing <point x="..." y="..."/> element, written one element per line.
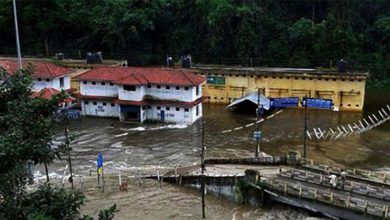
<point x="293" y="33"/>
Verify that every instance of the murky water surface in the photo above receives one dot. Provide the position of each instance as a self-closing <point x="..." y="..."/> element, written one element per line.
<point x="128" y="147"/>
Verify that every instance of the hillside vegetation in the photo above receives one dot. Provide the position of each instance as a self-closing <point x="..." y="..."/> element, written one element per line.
<point x="293" y="33"/>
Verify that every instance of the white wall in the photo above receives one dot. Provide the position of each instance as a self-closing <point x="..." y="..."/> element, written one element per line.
<point x="193" y="112"/>
<point x="99" y="109"/>
<point x="98" y="89"/>
<point x="172" y="93"/>
<point x="171" y="115"/>
<point x="200" y="92"/>
<point x="41" y="83"/>
<point x="143" y="115"/>
<point x="56" y="83"/>
<point x="136" y="95"/>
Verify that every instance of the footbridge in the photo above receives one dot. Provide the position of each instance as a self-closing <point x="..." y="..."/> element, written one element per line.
<point x="301" y="183"/>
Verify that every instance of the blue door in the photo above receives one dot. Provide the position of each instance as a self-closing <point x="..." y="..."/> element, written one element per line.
<point x="162" y="115"/>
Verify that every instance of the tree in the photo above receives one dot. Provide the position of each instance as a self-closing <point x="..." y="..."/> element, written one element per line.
<point x="27" y="127"/>
<point x="212" y="31"/>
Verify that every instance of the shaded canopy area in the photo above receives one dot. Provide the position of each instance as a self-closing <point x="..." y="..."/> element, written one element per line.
<point x="249" y="102"/>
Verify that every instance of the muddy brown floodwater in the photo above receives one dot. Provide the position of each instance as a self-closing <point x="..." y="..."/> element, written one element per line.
<point x="133" y="147"/>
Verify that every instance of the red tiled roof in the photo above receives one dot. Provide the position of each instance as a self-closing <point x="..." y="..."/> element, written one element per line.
<point x="142" y="76"/>
<point x="48" y="93"/>
<point x="131" y="80"/>
<point x="40" y="69"/>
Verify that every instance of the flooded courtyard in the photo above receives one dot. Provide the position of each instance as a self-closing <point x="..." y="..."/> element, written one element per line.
<point x="129" y="148"/>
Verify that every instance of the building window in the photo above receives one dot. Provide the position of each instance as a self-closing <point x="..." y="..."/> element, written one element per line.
<point x="149" y="86"/>
<point x="237" y="75"/>
<point x="186" y="88"/>
<point x="93" y="83"/>
<point x="94" y="103"/>
<point x="274" y="77"/>
<point x="251" y="76"/>
<point x="295" y="78"/>
<point x="357" y="105"/>
<point x="158" y="107"/>
<point x="197" y="110"/>
<point x="104" y="104"/>
<point x="167" y="108"/>
<point x="143" y="107"/>
<point x="47" y="80"/>
<point x="310" y="78"/>
<point x="86" y="102"/>
<point x="39" y="79"/>
<point x="62" y="83"/>
<point x="129" y="88"/>
<point x="215" y="97"/>
<point x="177" y="109"/>
<point x="167" y="87"/>
<point x="103" y="83"/>
<point x="186" y="109"/>
<point x="158" y="87"/>
<point x="149" y="107"/>
<point x="177" y="88"/>
<point x="111" y="84"/>
<point x="334" y="79"/>
<point x="197" y="90"/>
<point x="85" y="82"/>
<point x="288" y="77"/>
<point x="112" y="104"/>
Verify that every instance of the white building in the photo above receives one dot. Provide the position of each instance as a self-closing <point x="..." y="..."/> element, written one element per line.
<point x="139" y="94"/>
<point x="44" y="74"/>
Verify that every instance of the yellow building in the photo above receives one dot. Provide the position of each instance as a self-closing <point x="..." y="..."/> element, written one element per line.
<point x="226" y="84"/>
<point x="75" y="83"/>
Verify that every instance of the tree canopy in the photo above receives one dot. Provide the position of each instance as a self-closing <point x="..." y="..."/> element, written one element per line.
<point x="27" y="128"/>
<point x="294" y="33"/>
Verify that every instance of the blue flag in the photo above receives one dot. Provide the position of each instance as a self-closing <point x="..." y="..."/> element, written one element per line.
<point x="99" y="160"/>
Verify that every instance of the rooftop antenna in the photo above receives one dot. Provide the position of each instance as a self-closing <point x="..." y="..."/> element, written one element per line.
<point x="17" y="37"/>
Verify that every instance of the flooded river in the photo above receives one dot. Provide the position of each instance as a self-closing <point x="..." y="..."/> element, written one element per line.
<point x="129" y="147"/>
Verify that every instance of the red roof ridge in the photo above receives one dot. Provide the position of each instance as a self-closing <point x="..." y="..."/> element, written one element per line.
<point x="144" y="78"/>
<point x="142" y="75"/>
<point x="125" y="77"/>
<point x="136" y="77"/>
<point x="189" y="78"/>
<point x="84" y="73"/>
<point x="50" y="71"/>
